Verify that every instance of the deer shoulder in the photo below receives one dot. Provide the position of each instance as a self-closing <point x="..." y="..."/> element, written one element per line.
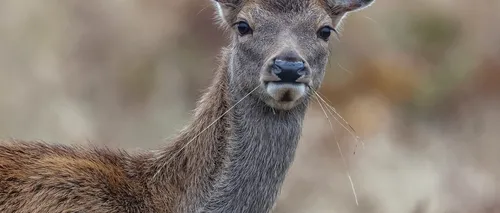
<point x="37" y="177"/>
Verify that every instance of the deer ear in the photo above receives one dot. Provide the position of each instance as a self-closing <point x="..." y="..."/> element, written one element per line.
<point x="340" y="7"/>
<point x="227" y="9"/>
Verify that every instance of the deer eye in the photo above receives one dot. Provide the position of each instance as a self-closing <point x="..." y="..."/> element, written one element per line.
<point x="325" y="33"/>
<point x="243" y="28"/>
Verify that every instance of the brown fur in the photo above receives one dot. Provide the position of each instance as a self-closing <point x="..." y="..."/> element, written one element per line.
<point x="37" y="177"/>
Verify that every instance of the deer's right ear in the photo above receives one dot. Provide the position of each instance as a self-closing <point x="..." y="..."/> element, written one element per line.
<point x="228" y="9"/>
<point x="340" y="7"/>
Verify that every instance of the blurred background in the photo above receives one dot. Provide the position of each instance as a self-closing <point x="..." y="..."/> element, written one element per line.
<point x="419" y="81"/>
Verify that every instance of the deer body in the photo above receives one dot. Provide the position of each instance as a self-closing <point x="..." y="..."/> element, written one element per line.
<point x="234" y="155"/>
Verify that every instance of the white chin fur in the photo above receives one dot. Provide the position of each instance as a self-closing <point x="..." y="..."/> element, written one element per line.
<point x="286" y="92"/>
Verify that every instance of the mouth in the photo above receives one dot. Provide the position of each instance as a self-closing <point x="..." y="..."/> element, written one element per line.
<point x="285" y="92"/>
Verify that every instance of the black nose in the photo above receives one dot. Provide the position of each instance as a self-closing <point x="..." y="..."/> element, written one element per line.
<point x="288" y="70"/>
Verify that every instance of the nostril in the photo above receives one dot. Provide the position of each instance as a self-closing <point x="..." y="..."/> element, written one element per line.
<point x="302" y="71"/>
<point x="276" y="69"/>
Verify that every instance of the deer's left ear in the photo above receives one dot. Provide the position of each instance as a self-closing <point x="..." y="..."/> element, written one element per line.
<point x="340" y="7"/>
<point x="228" y="9"/>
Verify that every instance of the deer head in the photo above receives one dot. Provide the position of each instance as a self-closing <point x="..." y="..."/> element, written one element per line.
<point x="281" y="45"/>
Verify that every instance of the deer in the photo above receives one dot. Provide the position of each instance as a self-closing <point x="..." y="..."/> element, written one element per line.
<point x="234" y="154"/>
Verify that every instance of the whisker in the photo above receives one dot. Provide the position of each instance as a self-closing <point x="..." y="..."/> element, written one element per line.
<point x="353" y="133"/>
<point x="202" y="9"/>
<point x="353" y="189"/>
<point x="202" y="131"/>
<point x="372" y="20"/>
<point x="328" y="103"/>
<point x="331" y="126"/>
<point x="343" y="68"/>
<point x="349" y="128"/>
<point x="340" y="149"/>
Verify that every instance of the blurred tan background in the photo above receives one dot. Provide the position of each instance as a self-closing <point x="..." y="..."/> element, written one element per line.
<point x="418" y="80"/>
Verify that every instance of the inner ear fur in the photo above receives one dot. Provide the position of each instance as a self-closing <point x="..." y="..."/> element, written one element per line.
<point x="340" y="7"/>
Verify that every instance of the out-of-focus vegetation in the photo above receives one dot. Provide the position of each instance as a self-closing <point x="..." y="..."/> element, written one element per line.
<point x="419" y="81"/>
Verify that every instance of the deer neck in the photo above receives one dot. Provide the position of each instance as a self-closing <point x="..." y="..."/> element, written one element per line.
<point x="261" y="147"/>
<point x="226" y="160"/>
